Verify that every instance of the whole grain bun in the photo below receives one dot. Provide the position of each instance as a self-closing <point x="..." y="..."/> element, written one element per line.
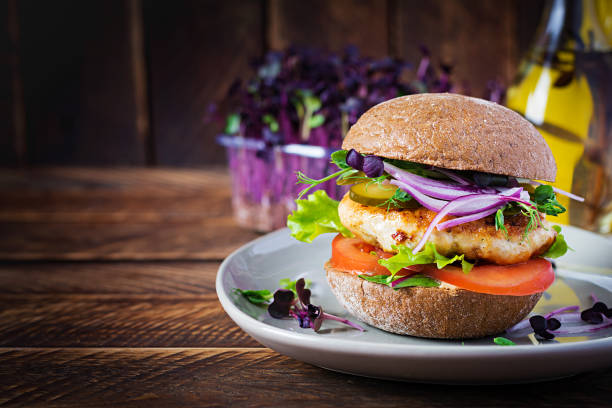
<point x="455" y="132"/>
<point x="440" y="313"/>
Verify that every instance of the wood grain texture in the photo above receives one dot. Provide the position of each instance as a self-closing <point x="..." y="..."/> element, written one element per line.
<point x="113" y="195"/>
<point x="77" y="82"/>
<point x="247" y="377"/>
<point x="135" y="304"/>
<point x="108" y="278"/>
<point x="122" y="241"/>
<point x="196" y="50"/>
<point x="330" y="25"/>
<point x="11" y="98"/>
<point x="152" y="320"/>
<point x="118" y="214"/>
<point x="477" y="37"/>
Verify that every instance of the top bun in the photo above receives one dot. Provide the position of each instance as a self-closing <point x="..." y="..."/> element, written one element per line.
<point x="454" y="132"/>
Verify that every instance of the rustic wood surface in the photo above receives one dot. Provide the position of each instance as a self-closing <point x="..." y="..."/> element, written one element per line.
<point x="75" y="60"/>
<point x="129" y="82"/>
<point x="137" y="324"/>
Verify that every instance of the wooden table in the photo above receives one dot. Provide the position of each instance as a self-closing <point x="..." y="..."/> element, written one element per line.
<point x="107" y="298"/>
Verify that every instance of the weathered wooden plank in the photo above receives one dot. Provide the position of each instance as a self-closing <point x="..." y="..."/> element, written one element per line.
<point x="112" y="195"/>
<point x="247" y="377"/>
<point x="11" y="96"/>
<point x="140" y="304"/>
<point x="78" y="82"/>
<point x="475" y="36"/>
<point x="56" y="320"/>
<point x="330" y="25"/>
<point x="107" y="278"/>
<point x="210" y="239"/>
<point x="117" y="214"/>
<point x="112" y="179"/>
<point x="196" y="50"/>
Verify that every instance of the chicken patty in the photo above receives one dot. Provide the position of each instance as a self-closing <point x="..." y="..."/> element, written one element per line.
<point x="478" y="240"/>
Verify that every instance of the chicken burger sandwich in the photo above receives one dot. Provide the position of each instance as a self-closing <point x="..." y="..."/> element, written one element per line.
<point x="444" y="231"/>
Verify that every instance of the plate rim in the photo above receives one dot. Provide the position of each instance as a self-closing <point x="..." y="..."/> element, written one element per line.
<point x="340" y="345"/>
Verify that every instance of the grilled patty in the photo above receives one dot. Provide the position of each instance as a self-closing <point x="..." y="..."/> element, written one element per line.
<point x="478" y="240"/>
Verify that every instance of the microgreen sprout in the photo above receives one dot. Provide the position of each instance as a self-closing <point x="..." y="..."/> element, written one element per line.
<point x="307" y="314"/>
<point x="499" y="221"/>
<point x="595" y="315"/>
<point x="545" y="199"/>
<point x="542" y="325"/>
<point x="293" y="300"/>
<point x="567" y="320"/>
<point x="304" y="179"/>
<point x="399" y="199"/>
<point x="371" y="165"/>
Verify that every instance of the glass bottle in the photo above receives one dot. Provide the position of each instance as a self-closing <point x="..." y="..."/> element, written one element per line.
<point x="564" y="87"/>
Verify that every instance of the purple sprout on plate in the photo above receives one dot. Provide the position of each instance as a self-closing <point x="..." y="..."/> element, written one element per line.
<point x="542" y="325"/>
<point x="567" y="320"/>
<point x="306" y="314"/>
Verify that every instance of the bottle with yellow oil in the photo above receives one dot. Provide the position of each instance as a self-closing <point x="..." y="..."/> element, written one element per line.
<point x="564" y="87"/>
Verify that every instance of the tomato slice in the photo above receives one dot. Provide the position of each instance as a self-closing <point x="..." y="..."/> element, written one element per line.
<point x="525" y="278"/>
<point x="533" y="276"/>
<point x="354" y="255"/>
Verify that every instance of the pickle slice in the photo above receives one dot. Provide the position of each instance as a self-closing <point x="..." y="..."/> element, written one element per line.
<point x="372" y="193"/>
<point x="378" y="195"/>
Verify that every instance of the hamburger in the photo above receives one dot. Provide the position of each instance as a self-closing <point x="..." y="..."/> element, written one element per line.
<point x="444" y="231"/>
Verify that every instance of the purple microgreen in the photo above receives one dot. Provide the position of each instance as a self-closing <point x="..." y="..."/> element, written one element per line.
<point x="600" y="307"/>
<point x="373" y="166"/>
<point x="341" y="320"/>
<point x="284" y="305"/>
<point x="302" y="292"/>
<point x="597" y="317"/>
<point x="281" y="306"/>
<point x="522" y="325"/>
<point x="552" y="324"/>
<point x="354" y="159"/>
<point x="291" y="284"/>
<point x="574" y="308"/>
<point x="315" y="97"/>
<point x="589" y="329"/>
<point x="591" y="316"/>
<point x="539" y="324"/>
<point x="316" y="316"/>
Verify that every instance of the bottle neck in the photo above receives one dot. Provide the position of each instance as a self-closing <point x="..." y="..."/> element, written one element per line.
<point x="570" y="25"/>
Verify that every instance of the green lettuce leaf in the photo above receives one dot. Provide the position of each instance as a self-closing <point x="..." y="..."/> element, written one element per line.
<point x="418" y="280"/>
<point x="257" y="297"/>
<point x="414" y="280"/>
<point x="315" y="216"/>
<point x="382" y="279"/>
<point x="559" y="247"/>
<point x="502" y="341"/>
<point x="428" y="255"/>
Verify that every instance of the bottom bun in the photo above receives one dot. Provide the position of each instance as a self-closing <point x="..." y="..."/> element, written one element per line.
<point x="440" y="313"/>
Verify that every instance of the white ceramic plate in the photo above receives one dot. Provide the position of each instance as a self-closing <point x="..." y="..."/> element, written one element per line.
<point x="260" y="264"/>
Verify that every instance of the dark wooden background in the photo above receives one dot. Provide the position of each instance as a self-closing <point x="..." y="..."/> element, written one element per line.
<point x="127" y="82"/>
